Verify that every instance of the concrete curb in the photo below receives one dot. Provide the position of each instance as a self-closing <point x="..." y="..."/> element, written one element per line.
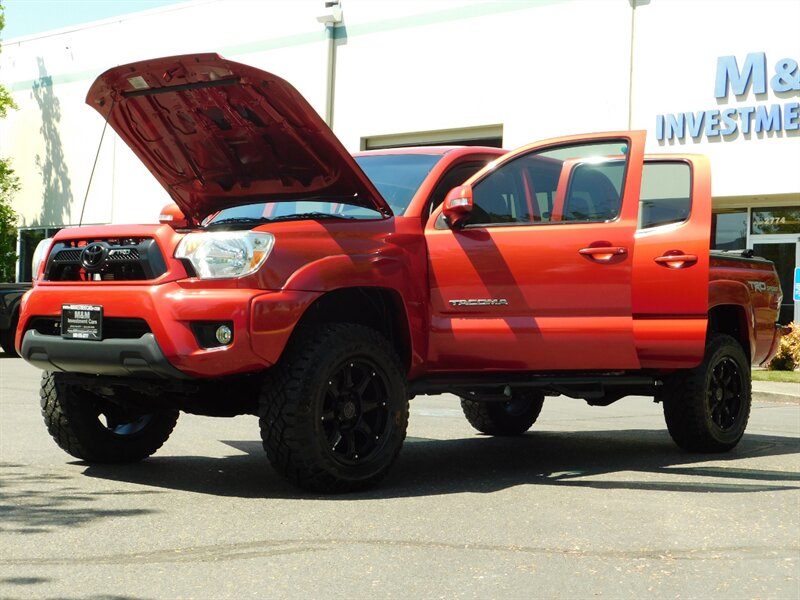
<point x="775" y="398"/>
<point x="777" y="392"/>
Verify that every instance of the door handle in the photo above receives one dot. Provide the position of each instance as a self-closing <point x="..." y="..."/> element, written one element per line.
<point x="676" y="260"/>
<point x="603" y="254"/>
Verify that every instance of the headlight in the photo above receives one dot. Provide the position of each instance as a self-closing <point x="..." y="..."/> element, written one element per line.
<point x="225" y="254"/>
<point x="42" y="249"/>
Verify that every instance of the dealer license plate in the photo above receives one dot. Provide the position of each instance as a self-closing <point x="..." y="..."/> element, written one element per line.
<point x="82" y="321"/>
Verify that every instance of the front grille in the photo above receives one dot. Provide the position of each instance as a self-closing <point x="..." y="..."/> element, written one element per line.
<point x="128" y="259"/>
<point x="113" y="327"/>
<point x="68" y="256"/>
<point x="123" y="255"/>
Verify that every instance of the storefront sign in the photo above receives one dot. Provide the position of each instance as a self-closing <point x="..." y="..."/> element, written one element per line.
<point x="784" y="79"/>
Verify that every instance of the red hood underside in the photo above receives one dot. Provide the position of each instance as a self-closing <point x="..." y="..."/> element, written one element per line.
<point x="217" y="134"/>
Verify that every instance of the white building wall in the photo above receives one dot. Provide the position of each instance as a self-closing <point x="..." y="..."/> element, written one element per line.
<point x="539" y="68"/>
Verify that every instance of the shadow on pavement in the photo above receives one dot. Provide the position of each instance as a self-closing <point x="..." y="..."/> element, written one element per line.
<point x="632" y="459"/>
<point x="42" y="502"/>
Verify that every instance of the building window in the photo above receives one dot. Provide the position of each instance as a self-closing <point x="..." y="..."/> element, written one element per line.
<point x="729" y="230"/>
<point x="776" y="220"/>
<point x="785" y="259"/>
<point x="487" y="135"/>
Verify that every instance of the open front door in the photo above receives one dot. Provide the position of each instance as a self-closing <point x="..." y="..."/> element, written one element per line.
<point x="671" y="266"/>
<point x="539" y="277"/>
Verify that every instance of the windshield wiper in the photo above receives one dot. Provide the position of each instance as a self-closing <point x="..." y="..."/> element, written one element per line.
<point x="309" y="215"/>
<point x="260" y="220"/>
<point x="230" y="220"/>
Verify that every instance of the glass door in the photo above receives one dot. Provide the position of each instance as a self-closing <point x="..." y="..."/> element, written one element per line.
<point x="786" y="256"/>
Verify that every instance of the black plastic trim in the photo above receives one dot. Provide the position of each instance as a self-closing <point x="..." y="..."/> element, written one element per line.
<point x="140" y="357"/>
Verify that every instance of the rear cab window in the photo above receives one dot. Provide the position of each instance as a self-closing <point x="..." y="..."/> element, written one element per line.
<point x="666" y="194"/>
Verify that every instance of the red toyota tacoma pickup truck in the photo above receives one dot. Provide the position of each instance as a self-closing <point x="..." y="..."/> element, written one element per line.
<point x="322" y="291"/>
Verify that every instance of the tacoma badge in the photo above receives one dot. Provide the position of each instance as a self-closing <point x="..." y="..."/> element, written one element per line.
<point x="480" y="302"/>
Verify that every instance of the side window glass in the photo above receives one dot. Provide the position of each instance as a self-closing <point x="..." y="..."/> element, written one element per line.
<point x="578" y="183"/>
<point x="455" y="176"/>
<point x="499" y="198"/>
<point x="589" y="181"/>
<point x="594" y="192"/>
<point x="542" y="174"/>
<point x="666" y="194"/>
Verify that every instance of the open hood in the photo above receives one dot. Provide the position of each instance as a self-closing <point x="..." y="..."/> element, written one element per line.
<point x="216" y="134"/>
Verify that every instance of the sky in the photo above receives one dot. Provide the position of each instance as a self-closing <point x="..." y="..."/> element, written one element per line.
<point x="28" y="17"/>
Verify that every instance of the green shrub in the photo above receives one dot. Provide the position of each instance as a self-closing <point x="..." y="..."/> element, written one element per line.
<point x="788" y="356"/>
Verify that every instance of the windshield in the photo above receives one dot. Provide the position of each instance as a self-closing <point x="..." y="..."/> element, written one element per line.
<point x="266" y="212"/>
<point x="397" y="176"/>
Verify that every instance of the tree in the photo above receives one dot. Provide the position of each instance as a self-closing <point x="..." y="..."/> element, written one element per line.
<point x="9" y="184"/>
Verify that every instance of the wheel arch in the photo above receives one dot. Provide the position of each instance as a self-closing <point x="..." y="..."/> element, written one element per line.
<point x="731" y="319"/>
<point x="381" y="309"/>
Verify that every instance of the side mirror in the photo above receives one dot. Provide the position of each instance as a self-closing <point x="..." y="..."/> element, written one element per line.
<point x="458" y="206"/>
<point x="173" y="216"/>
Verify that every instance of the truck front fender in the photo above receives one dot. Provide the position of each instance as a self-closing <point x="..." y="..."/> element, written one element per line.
<point x="387" y="270"/>
<point x="332" y="272"/>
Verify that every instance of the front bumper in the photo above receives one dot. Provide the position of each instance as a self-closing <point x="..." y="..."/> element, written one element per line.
<point x="140" y="357"/>
<point x="262" y="324"/>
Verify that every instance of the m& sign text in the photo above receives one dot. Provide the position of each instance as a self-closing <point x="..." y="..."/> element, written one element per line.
<point x="783" y="79"/>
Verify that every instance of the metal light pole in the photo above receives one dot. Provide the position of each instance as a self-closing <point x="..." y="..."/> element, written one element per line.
<point x="331" y="18"/>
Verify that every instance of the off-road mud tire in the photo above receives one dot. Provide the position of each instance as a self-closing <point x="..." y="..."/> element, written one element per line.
<point x="706" y="408"/>
<point x="513" y="417"/>
<point x="334" y="411"/>
<point x="72" y="416"/>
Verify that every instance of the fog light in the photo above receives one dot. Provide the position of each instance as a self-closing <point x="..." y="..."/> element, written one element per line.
<point x="224" y="335"/>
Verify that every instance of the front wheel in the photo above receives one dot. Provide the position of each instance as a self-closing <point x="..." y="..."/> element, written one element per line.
<point x="512" y="417"/>
<point x="334" y="412"/>
<point x="706" y="408"/>
<point x="92" y="428"/>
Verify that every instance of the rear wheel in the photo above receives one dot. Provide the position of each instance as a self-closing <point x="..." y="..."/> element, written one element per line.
<point x="94" y="429"/>
<point x="334" y="413"/>
<point x="512" y="417"/>
<point x="707" y="408"/>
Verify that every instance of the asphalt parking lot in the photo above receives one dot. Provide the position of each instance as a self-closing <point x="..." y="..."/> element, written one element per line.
<point x="593" y="502"/>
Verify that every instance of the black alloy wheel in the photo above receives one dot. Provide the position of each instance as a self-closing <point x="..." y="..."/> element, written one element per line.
<point x="725" y="391"/>
<point x="355" y="417"/>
